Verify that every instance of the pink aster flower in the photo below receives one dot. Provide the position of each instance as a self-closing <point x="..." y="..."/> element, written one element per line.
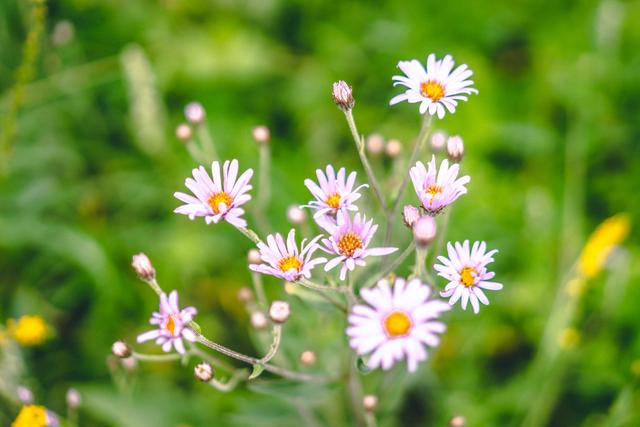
<point x="172" y="324"/>
<point x="467" y="274"/>
<point x="435" y="88"/>
<point x="396" y="323"/>
<point x="335" y="193"/>
<point x="284" y="260"/>
<point x="349" y="240"/>
<point x="438" y="188"/>
<point x="214" y="200"/>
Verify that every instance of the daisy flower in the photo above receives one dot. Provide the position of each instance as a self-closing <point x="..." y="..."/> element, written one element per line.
<point x="396" y="323"/>
<point x="349" y="241"/>
<point x="172" y="324"/>
<point x="284" y="260"/>
<point x="438" y="188"/>
<point x="467" y="274"/>
<point x="435" y="88"/>
<point x="335" y="192"/>
<point x="214" y="200"/>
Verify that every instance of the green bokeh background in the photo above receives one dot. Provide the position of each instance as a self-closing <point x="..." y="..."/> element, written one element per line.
<point x="551" y="146"/>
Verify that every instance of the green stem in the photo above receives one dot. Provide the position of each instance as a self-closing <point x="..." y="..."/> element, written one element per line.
<point x="207" y="142"/>
<point x="249" y="234"/>
<point x="236" y="377"/>
<point x="156" y="357"/>
<point x="273" y="349"/>
<point x="390" y="267"/>
<point x="258" y="288"/>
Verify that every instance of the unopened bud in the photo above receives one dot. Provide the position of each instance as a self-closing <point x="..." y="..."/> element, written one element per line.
<point x="455" y="148"/>
<point x="143" y="267"/>
<point x="457" y="421"/>
<point x="73" y="398"/>
<point x="259" y="320"/>
<point x="279" y="311"/>
<point x="438" y="140"/>
<point x="424" y="230"/>
<point x="203" y="371"/>
<point x="375" y="143"/>
<point x="261" y="134"/>
<point x="184" y="132"/>
<point x="245" y="294"/>
<point x="393" y="148"/>
<point x="343" y="95"/>
<point x="121" y="349"/>
<point x="25" y="395"/>
<point x="370" y="402"/>
<point x="253" y="256"/>
<point x="308" y="358"/>
<point x="410" y="214"/>
<point x="296" y="215"/>
<point x="195" y="113"/>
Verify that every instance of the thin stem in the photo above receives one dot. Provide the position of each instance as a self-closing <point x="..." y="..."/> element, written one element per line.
<point x="226" y="351"/>
<point x="156" y="357"/>
<point x="195" y="152"/>
<point x="207" y="142"/>
<point x="363" y="158"/>
<point x="421" y="257"/>
<point x="231" y="384"/>
<point x="153" y="283"/>
<point x="258" y="288"/>
<point x="249" y="234"/>
<point x="264" y="180"/>
<point x="370" y="419"/>
<point x="317" y="287"/>
<point x="196" y="351"/>
<point x="442" y="233"/>
<point x="277" y="335"/>
<point x="389" y="268"/>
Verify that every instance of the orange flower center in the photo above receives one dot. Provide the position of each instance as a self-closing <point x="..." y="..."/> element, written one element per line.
<point x="287" y="263"/>
<point x="217" y="198"/>
<point x="468" y="276"/>
<point x="349" y="243"/>
<point x="397" y="324"/>
<point x="432" y="89"/>
<point x="333" y="200"/>
<point x="171" y="325"/>
<point x="433" y="190"/>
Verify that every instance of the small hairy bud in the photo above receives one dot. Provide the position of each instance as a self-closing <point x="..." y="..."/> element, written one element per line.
<point x="424" y="230"/>
<point x="203" y="371"/>
<point x="393" y="148"/>
<point x="245" y="294"/>
<point x="261" y="134"/>
<point x="121" y="349"/>
<point x="455" y="148"/>
<point x="343" y="95"/>
<point x="143" y="267"/>
<point x="195" y="113"/>
<point x="25" y="395"/>
<point x="410" y="214"/>
<point x="73" y="398"/>
<point x="279" y="311"/>
<point x="308" y="358"/>
<point x="375" y="143"/>
<point x="457" y="421"/>
<point x="259" y="320"/>
<point x="438" y="140"/>
<point x="184" y="132"/>
<point x="370" y="402"/>
<point x="296" y="215"/>
<point x="253" y="256"/>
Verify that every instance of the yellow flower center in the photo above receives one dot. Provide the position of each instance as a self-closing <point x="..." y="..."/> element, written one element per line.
<point x="287" y="263"/>
<point x="468" y="276"/>
<point x="349" y="243"/>
<point x="397" y="324"/>
<point x="333" y="201"/>
<point x="171" y="325"/>
<point x="29" y="330"/>
<point x="432" y="89"/>
<point x="433" y="190"/>
<point x="217" y="198"/>
<point x="31" y="416"/>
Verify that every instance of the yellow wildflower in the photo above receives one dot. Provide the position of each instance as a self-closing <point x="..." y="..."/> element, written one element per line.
<point x="31" y="416"/>
<point x="28" y="330"/>
<point x="602" y="241"/>
<point x="568" y="338"/>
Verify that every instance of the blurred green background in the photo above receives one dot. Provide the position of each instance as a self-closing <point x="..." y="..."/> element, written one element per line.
<point x="88" y="178"/>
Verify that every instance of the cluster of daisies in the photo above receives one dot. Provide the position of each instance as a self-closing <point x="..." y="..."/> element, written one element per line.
<point x="398" y="320"/>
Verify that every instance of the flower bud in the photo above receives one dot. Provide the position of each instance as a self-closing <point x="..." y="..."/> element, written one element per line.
<point x="195" y="113"/>
<point x="184" y="132"/>
<point x="259" y="320"/>
<point x="410" y="214"/>
<point x="73" y="398"/>
<point x="253" y="256"/>
<point x="25" y="395"/>
<point x="424" y="230"/>
<point x="143" y="267"/>
<point x="296" y="215"/>
<point x="121" y="349"/>
<point x="393" y="148"/>
<point x="375" y="143"/>
<point x="261" y="134"/>
<point x="203" y="371"/>
<point x="343" y="95"/>
<point x="457" y="421"/>
<point x="438" y="140"/>
<point x="245" y="294"/>
<point x="308" y="358"/>
<point x="370" y="402"/>
<point x="279" y="311"/>
<point x="455" y="148"/>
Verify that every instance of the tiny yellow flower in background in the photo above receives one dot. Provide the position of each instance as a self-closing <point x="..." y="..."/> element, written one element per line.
<point x="602" y="241"/>
<point x="31" y="416"/>
<point x="28" y="330"/>
<point x="568" y="338"/>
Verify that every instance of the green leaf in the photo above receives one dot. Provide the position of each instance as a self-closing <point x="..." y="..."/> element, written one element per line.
<point x="362" y="366"/>
<point x="257" y="370"/>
